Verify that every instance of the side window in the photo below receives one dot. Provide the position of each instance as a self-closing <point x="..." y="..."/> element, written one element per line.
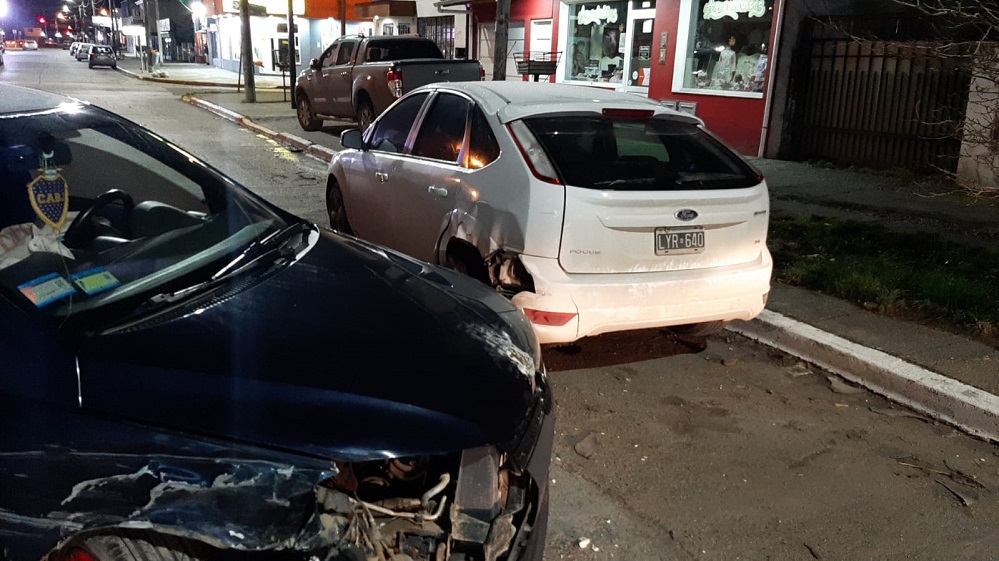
<point x="443" y="130"/>
<point x="391" y="131"/>
<point x="482" y="146"/>
<point x="346" y="50"/>
<point x="327" y="57"/>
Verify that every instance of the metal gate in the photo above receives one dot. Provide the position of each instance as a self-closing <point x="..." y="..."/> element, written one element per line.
<point x="879" y="104"/>
<point x="440" y="30"/>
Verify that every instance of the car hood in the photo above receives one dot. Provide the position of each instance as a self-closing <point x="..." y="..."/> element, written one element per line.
<point x="351" y="352"/>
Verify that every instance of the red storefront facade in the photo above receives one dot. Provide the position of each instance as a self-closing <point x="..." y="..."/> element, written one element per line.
<point x="710" y="57"/>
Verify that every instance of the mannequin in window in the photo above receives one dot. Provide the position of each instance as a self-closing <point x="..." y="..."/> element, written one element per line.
<point x="759" y="74"/>
<point x="580" y="59"/>
<point x="745" y="65"/>
<point x="724" y="70"/>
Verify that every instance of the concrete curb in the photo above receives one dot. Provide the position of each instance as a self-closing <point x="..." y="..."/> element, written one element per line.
<point x="295" y="143"/>
<point x="201" y="83"/>
<point x="945" y="399"/>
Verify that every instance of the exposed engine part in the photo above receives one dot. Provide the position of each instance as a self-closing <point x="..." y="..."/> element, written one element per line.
<point x="426" y="509"/>
<point x="507" y="274"/>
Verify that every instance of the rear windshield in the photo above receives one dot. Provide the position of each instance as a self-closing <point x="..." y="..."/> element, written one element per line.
<point x="401" y="49"/>
<point x="101" y="50"/>
<point x="647" y="154"/>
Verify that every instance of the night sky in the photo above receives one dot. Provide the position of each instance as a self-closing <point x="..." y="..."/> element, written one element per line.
<point x="24" y="13"/>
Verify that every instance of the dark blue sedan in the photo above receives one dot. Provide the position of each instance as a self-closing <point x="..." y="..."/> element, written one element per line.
<point x="187" y="370"/>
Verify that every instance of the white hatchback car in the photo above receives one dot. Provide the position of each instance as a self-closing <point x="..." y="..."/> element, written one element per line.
<point x="595" y="211"/>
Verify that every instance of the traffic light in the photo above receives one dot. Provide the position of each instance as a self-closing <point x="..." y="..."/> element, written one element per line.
<point x="41" y="20"/>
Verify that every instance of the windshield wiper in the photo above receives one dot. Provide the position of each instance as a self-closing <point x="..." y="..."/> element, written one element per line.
<point x="273" y="249"/>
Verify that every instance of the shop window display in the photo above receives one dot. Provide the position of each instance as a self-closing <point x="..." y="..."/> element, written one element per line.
<point x="727" y="43"/>
<point x="597" y="39"/>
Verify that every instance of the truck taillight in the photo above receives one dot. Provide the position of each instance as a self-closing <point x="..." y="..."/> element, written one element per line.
<point x="394" y="80"/>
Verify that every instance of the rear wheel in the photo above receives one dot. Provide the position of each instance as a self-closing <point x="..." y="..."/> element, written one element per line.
<point x="365" y="114"/>
<point x="466" y="260"/>
<point x="306" y="118"/>
<point x="336" y="210"/>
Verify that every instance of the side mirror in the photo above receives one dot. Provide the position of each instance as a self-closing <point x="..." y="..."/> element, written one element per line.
<point x="352" y="138"/>
<point x="314" y="64"/>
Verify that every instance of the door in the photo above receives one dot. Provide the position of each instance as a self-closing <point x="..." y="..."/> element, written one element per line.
<point x="340" y="79"/>
<point x="322" y="81"/>
<point x="431" y="178"/>
<point x="373" y="177"/>
<point x="638" y="50"/>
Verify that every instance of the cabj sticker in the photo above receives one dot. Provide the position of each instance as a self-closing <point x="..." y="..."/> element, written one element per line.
<point x="45" y="290"/>
<point x="93" y="281"/>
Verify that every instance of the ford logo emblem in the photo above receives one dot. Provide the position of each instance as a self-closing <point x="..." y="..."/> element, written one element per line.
<point x="686" y="214"/>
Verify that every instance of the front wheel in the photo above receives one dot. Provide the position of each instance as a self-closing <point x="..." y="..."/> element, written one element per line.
<point x="365" y="114"/>
<point x="142" y="547"/>
<point x="306" y="118"/>
<point x="336" y="210"/>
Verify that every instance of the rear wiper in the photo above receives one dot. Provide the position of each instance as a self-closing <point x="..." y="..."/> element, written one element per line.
<point x="618" y="182"/>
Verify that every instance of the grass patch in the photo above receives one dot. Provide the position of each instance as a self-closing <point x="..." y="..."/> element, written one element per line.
<point x="916" y="276"/>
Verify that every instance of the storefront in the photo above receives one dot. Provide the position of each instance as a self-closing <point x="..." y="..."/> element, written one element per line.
<point x="719" y="64"/>
<point x="708" y="57"/>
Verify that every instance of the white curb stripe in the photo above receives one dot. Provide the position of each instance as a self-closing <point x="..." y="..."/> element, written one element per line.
<point x="940" y="397"/>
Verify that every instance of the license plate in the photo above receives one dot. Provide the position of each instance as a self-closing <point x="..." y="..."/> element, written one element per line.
<point x="672" y="241"/>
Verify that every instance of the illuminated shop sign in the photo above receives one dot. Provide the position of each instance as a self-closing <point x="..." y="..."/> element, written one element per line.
<point x="596" y="15"/>
<point x="718" y="9"/>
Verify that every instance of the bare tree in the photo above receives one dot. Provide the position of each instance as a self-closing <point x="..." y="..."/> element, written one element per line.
<point x="972" y="31"/>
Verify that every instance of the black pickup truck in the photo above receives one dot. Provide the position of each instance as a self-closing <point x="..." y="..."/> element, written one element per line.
<point x="358" y="77"/>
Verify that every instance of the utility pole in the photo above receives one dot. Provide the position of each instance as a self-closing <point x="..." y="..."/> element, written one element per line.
<point x="246" y="52"/>
<point x="291" y="50"/>
<point x="156" y="26"/>
<point x="502" y="34"/>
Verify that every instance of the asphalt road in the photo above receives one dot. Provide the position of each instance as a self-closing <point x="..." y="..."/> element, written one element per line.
<point x="666" y="451"/>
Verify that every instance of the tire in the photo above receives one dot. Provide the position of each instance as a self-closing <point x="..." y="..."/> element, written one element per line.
<point x="365" y="114"/>
<point x="697" y="331"/>
<point x="465" y="260"/>
<point x="335" y="210"/>
<point x="306" y="118"/>
<point x="143" y="546"/>
<point x="91" y="66"/>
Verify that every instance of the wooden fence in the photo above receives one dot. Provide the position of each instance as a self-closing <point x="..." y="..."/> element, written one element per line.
<point x="881" y="104"/>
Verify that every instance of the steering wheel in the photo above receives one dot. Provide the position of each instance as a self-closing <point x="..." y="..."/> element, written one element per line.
<point x="89" y="224"/>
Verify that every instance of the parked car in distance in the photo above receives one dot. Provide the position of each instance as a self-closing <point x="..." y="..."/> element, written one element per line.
<point x="358" y="77"/>
<point x="594" y="210"/>
<point x="101" y="55"/>
<point x="190" y="372"/>
<point x="30" y="45"/>
<point x="74" y="46"/>
<point x="82" y="51"/>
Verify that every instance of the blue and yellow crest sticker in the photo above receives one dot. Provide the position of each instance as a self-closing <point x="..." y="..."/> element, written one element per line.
<point x="49" y="196"/>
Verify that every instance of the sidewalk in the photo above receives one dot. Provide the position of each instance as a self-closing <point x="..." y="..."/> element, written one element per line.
<point x="189" y="73"/>
<point x="944" y="376"/>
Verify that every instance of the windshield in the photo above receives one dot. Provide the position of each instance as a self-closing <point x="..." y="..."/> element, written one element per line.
<point x="95" y="210"/>
<point x="638" y="154"/>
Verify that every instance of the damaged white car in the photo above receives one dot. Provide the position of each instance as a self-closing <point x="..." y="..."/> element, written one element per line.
<point x="593" y="210"/>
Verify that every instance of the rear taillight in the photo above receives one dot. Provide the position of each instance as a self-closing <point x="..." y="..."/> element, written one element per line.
<point x="533" y="153"/>
<point x="554" y="319"/>
<point x="628" y="113"/>
<point x="394" y="80"/>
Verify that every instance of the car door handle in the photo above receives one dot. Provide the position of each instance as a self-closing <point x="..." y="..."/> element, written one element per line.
<point x="438" y="192"/>
<point x="382" y="176"/>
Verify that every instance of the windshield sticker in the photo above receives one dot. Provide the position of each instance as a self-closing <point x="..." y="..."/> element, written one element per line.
<point x="49" y="195"/>
<point x="95" y="280"/>
<point x="45" y="290"/>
